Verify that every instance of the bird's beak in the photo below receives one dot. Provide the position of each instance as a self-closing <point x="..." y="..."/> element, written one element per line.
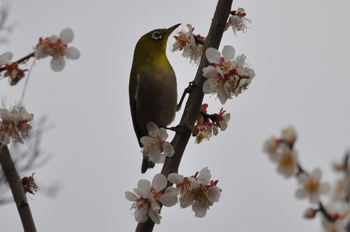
<point x="171" y="29"/>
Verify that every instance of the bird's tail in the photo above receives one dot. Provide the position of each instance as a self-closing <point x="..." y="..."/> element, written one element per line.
<point x="146" y="164"/>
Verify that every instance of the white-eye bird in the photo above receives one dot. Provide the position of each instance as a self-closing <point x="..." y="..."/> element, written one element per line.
<point x="152" y="86"/>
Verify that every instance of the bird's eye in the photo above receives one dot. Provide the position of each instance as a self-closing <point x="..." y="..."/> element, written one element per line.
<point x="156" y="35"/>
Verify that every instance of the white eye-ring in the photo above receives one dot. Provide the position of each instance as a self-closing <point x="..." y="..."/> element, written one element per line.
<point x="156" y="35"/>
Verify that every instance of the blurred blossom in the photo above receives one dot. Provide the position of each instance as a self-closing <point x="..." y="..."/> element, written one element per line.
<point x="197" y="191"/>
<point x="310" y="213"/>
<point x="341" y="190"/>
<point x="338" y="212"/>
<point x="155" y="146"/>
<point x="311" y="186"/>
<point x="228" y="76"/>
<point x="14" y="124"/>
<point x="149" y="197"/>
<point x="289" y="135"/>
<point x="14" y="73"/>
<point x="287" y="162"/>
<point x="57" y="48"/>
<point x="29" y="186"/>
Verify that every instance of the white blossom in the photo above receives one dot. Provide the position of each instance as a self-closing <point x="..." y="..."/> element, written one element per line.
<point x="148" y="198"/>
<point x="229" y="76"/>
<point x="57" y="48"/>
<point x="154" y="145"/>
<point x="197" y="191"/>
<point x="311" y="186"/>
<point x="14" y="124"/>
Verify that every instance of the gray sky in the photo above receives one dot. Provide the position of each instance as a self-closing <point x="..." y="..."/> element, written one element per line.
<point x="299" y="51"/>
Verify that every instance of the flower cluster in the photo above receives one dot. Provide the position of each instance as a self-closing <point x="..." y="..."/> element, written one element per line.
<point x="56" y="46"/>
<point x="197" y="191"/>
<point x="14" y="124"/>
<point x="154" y="146"/>
<point x="336" y="214"/>
<point x="281" y="152"/>
<point x="204" y="128"/>
<point x="237" y="21"/>
<point x="189" y="43"/>
<point x="228" y="76"/>
<point x="149" y="197"/>
<point x="29" y="186"/>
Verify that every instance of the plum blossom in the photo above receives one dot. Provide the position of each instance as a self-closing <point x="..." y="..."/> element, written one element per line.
<point x="186" y="41"/>
<point x="223" y="119"/>
<point x="154" y="146"/>
<point x="14" y="124"/>
<point x="287" y="162"/>
<point x="5" y="58"/>
<point x="229" y="76"/>
<point x="14" y="73"/>
<point x="197" y="191"/>
<point x="29" y="186"/>
<point x="203" y="128"/>
<point x="148" y="198"/>
<point x="338" y="216"/>
<point x="341" y="189"/>
<point x="311" y="186"/>
<point x="237" y="21"/>
<point x="57" y="48"/>
<point x="289" y="135"/>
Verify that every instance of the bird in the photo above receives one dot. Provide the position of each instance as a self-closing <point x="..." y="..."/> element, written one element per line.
<point x="152" y="85"/>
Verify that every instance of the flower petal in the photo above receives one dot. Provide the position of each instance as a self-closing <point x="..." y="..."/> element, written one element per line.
<point x="57" y="63"/>
<point x="168" y="149"/>
<point x="6" y="57"/>
<point x="152" y="129"/>
<point x="204" y="176"/>
<point x="213" y="55"/>
<point x="154" y="215"/>
<point x="130" y="196"/>
<point x="66" y="35"/>
<point x="214" y="194"/>
<point x="186" y="202"/>
<point x="143" y="184"/>
<point x="72" y="53"/>
<point x="300" y="194"/>
<point x="159" y="182"/>
<point x="228" y="52"/>
<point x="175" y="178"/>
<point x="199" y="210"/>
<point x="163" y="135"/>
<point x="210" y="72"/>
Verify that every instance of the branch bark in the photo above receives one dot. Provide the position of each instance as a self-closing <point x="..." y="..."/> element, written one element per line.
<point x="16" y="186"/>
<point x="194" y="102"/>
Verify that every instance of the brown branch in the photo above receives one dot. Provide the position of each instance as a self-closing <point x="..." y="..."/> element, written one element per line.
<point x="15" y="183"/>
<point x="194" y="102"/>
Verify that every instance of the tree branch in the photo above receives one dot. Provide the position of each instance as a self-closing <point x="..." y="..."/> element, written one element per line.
<point x="194" y="102"/>
<point x="16" y="186"/>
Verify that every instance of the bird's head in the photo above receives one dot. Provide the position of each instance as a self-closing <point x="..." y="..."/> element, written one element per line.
<point x="153" y="44"/>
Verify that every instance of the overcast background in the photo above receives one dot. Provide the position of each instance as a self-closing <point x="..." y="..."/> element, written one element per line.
<point x="299" y="51"/>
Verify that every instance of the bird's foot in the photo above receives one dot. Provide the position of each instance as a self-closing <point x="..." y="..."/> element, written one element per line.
<point x="181" y="129"/>
<point x="188" y="90"/>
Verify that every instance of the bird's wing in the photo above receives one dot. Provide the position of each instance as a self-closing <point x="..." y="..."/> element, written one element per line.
<point x="133" y="105"/>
